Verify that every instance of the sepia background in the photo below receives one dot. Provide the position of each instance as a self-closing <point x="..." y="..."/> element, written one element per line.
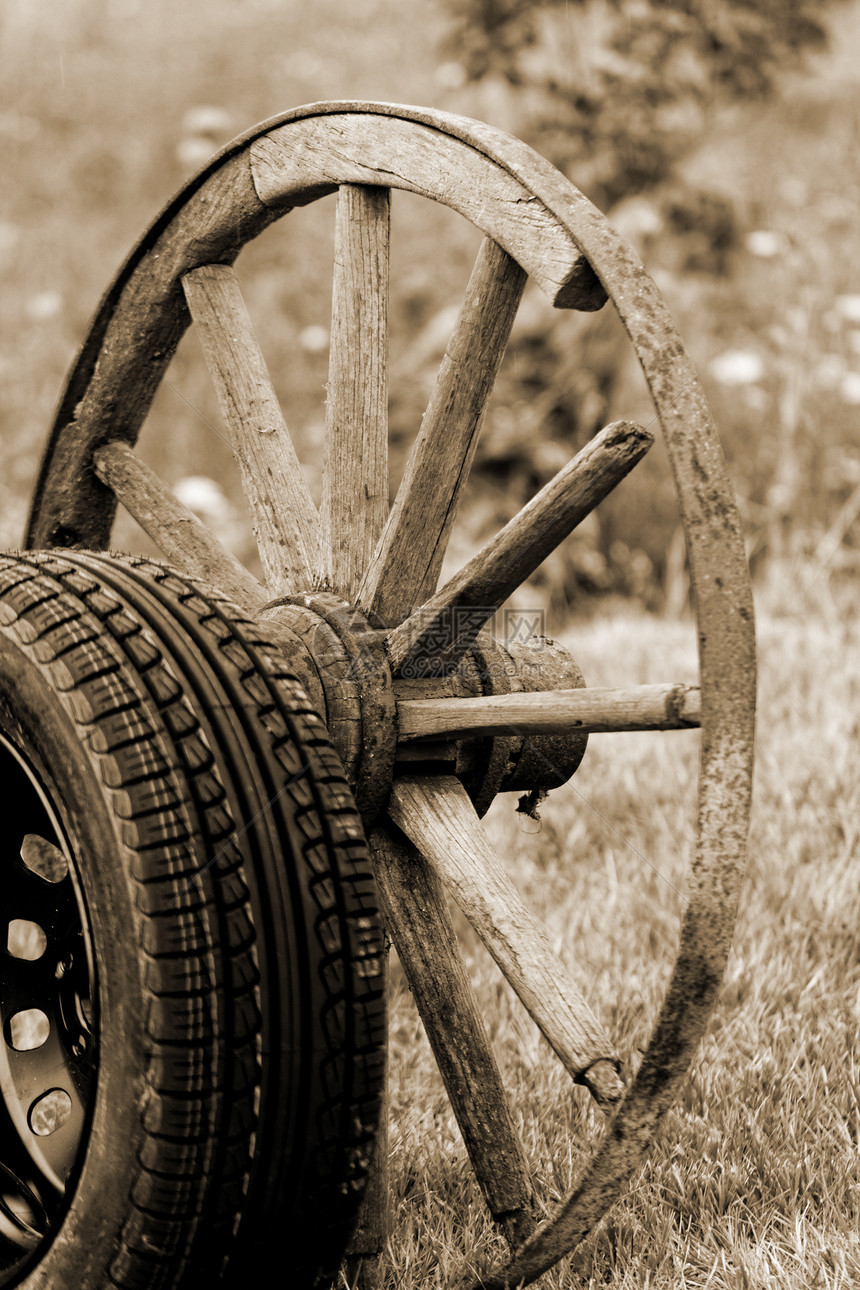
<point x="724" y="141"/>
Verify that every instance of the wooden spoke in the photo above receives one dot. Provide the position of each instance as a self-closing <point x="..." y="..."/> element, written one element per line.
<point x="284" y="517"/>
<point x="173" y="527"/>
<point x="436" y="815"/>
<point x="314" y="156"/>
<point x="406" y="565"/>
<point x="550" y="712"/>
<point x="465" y="603"/>
<point x="416" y="917"/>
<point x="355" y="487"/>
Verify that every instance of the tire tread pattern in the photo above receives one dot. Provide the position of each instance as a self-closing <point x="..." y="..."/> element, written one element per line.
<point x="132" y="647"/>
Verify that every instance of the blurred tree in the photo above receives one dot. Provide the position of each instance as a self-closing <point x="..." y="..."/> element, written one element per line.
<point x="617" y="93"/>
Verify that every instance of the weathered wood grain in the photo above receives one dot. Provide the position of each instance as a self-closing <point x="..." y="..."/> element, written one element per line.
<point x="641" y="707"/>
<point x="437" y="816"/>
<point x="132" y="341"/>
<point x="320" y="153"/>
<point x="406" y="565"/>
<point x="512" y="555"/>
<point x="283" y="514"/>
<point x="415" y="914"/>
<point x="173" y="527"/>
<point x="355" y="480"/>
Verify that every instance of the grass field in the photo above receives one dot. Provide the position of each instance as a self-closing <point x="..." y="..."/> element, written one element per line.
<point x="755" y="1179"/>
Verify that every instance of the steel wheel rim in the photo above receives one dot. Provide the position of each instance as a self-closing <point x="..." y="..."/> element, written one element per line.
<point x="48" y="1055"/>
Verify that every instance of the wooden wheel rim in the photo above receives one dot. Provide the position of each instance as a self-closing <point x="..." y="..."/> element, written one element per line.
<point x="133" y="337"/>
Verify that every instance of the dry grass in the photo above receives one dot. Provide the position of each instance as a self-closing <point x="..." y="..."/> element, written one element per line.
<point x="754" y="1179"/>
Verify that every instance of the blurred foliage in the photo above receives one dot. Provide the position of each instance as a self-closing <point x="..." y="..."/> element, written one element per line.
<point x="619" y="94"/>
<point x="614" y="91"/>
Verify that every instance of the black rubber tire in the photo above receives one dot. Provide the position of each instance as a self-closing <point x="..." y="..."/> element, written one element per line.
<point x="226" y="888"/>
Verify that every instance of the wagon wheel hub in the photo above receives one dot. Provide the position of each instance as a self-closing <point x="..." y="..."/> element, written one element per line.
<point x="341" y="655"/>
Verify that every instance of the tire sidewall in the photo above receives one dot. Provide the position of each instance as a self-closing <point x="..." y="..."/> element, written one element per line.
<point x="36" y="720"/>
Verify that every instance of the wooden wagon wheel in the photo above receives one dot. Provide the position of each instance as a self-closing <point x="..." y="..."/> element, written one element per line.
<point x="333" y="577"/>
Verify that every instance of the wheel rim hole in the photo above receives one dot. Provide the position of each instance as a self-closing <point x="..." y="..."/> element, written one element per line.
<point x="25" y="940"/>
<point x="27" y="1030"/>
<point x="44" y="858"/>
<point x="50" y="1112"/>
